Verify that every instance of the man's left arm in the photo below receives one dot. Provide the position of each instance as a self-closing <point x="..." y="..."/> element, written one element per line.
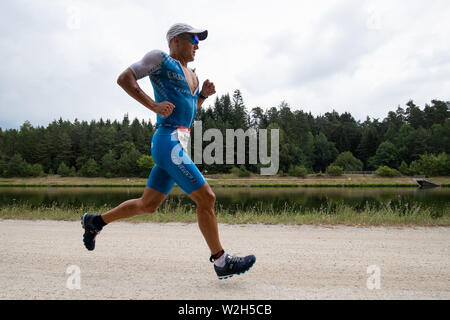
<point x="208" y="89"/>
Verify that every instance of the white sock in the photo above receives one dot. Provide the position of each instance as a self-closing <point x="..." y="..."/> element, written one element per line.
<point x="221" y="261"/>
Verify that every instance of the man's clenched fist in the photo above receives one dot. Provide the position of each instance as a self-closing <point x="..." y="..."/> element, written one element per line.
<point x="164" y="108"/>
<point x="208" y="88"/>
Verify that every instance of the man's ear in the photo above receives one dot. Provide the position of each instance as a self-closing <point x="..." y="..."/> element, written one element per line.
<point x="173" y="43"/>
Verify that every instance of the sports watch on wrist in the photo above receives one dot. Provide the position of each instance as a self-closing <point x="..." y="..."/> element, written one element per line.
<point x="201" y="95"/>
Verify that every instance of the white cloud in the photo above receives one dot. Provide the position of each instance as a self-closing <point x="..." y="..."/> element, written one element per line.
<point x="62" y="58"/>
<point x="365" y="58"/>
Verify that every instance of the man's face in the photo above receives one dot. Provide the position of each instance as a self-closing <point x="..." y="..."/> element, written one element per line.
<point x="185" y="46"/>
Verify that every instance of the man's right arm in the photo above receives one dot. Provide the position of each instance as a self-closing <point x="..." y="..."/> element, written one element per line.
<point x="128" y="81"/>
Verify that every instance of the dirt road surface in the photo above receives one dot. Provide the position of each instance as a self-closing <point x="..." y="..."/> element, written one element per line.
<point x="47" y="260"/>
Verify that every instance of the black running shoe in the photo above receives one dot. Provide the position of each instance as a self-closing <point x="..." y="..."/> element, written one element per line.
<point x="234" y="265"/>
<point x="90" y="231"/>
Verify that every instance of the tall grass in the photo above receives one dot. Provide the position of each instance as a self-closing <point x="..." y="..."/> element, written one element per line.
<point x="333" y="213"/>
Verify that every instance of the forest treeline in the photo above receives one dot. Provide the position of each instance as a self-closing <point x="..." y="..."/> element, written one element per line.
<point x="409" y="140"/>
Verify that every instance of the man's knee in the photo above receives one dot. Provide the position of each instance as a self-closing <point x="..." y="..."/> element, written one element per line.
<point x="151" y="200"/>
<point x="149" y="206"/>
<point x="208" y="198"/>
<point x="211" y="197"/>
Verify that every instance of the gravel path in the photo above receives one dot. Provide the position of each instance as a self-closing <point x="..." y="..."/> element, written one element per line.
<point x="41" y="260"/>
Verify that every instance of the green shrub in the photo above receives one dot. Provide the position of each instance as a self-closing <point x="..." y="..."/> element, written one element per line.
<point x="235" y="171"/>
<point x="431" y="165"/>
<point x="36" y="170"/>
<point x="298" y="171"/>
<point x="240" y="172"/>
<point x="348" y="162"/>
<point x="90" y="169"/>
<point x="65" y="171"/>
<point x="109" y="175"/>
<point x="243" y="172"/>
<point x="385" y="171"/>
<point x="145" y="163"/>
<point x="333" y="170"/>
<point x="18" y="167"/>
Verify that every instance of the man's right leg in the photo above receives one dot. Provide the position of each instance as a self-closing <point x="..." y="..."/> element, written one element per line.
<point x="147" y="204"/>
<point x="93" y="224"/>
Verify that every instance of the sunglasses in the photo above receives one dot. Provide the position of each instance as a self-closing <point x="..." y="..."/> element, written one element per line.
<point x="191" y="37"/>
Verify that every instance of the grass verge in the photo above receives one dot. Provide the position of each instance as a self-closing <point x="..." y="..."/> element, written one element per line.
<point x="333" y="215"/>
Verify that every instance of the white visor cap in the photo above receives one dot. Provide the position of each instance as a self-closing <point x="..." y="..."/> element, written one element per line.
<point x="179" y="28"/>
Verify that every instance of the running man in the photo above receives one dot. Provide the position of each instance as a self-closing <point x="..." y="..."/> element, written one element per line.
<point x="177" y="99"/>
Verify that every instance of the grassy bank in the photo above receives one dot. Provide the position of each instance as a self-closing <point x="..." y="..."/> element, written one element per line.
<point x="229" y="180"/>
<point x="334" y="215"/>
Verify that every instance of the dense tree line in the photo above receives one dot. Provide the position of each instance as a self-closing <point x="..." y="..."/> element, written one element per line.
<point x="98" y="148"/>
<point x="411" y="140"/>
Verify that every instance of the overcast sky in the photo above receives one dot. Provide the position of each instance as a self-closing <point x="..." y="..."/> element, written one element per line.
<point x="61" y="58"/>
